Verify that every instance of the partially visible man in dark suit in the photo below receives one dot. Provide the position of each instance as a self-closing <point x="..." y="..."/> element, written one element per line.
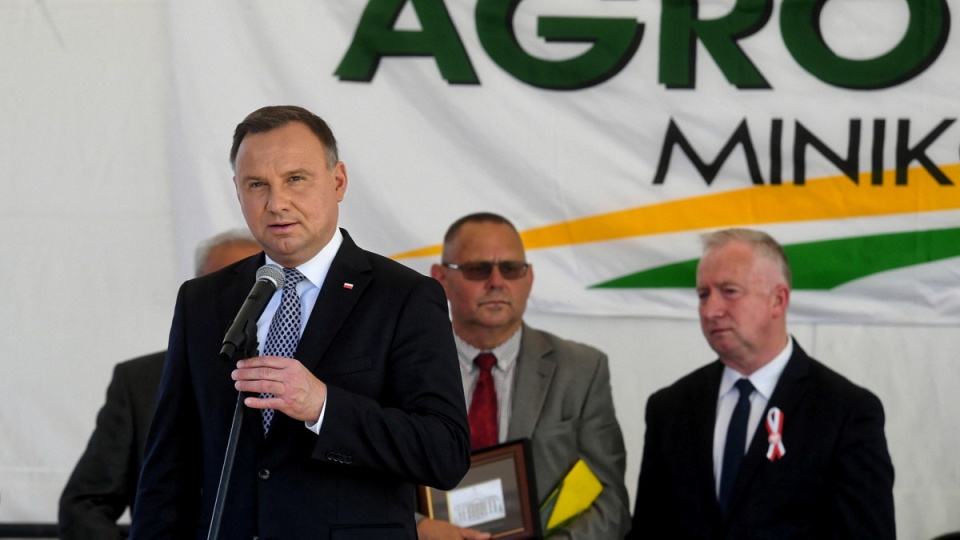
<point x="104" y="481"/>
<point x="550" y="390"/>
<point x="359" y="398"/>
<point x="766" y="442"/>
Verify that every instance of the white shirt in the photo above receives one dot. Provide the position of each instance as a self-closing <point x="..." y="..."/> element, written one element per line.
<point x="503" y="375"/>
<point x="315" y="270"/>
<point x="764" y="381"/>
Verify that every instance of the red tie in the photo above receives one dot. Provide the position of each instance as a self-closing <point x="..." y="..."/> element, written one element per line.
<point x="483" y="406"/>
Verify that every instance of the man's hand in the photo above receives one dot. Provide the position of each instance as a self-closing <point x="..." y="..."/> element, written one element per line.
<point x="434" y="529"/>
<point x="297" y="393"/>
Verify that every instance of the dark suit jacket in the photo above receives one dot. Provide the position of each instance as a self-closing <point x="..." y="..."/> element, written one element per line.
<point x="395" y="414"/>
<point x="562" y="402"/>
<point x="834" y="481"/>
<point x="104" y="482"/>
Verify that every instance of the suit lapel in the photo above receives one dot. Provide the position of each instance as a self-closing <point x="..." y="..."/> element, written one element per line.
<point x="530" y="385"/>
<point x="704" y="405"/>
<point x="237" y="283"/>
<point x="348" y="277"/>
<point x="236" y="287"/>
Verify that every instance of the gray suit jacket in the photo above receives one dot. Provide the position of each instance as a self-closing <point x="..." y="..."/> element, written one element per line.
<point x="562" y="402"/>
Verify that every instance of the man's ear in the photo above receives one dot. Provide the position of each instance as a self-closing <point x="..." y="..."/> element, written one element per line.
<point x="781" y="297"/>
<point x="340" y="180"/>
<point x="438" y="272"/>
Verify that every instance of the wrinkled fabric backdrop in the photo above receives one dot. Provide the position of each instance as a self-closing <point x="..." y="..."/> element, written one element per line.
<point x="612" y="133"/>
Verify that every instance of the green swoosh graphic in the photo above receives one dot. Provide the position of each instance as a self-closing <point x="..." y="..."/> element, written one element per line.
<point x="820" y="265"/>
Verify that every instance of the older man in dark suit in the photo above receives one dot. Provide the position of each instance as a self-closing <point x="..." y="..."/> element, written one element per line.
<point x="104" y="482"/>
<point x="766" y="442"/>
<point x="357" y="398"/>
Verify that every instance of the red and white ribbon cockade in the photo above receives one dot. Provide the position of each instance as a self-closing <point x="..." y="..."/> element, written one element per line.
<point x="774" y="434"/>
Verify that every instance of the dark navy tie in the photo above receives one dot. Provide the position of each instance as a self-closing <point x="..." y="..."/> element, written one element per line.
<point x="284" y="333"/>
<point x="735" y="446"/>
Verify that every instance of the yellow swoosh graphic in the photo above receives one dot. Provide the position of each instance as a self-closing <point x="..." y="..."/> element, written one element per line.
<point x="832" y="197"/>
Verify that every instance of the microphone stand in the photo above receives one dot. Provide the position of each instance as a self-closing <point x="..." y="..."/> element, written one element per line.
<point x="248" y="351"/>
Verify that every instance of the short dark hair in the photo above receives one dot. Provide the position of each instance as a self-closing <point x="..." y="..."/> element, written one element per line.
<point x="479" y="217"/>
<point x="276" y="116"/>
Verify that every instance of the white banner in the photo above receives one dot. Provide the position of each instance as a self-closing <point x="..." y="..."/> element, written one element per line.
<point x="612" y="134"/>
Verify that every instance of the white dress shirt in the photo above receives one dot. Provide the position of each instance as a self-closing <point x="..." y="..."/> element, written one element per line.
<point x="764" y="380"/>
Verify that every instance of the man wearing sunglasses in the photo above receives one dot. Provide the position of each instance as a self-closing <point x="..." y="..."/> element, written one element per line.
<point x="549" y="390"/>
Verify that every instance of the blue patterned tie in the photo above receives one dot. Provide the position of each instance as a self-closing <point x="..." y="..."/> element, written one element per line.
<point x="284" y="333"/>
<point x="735" y="446"/>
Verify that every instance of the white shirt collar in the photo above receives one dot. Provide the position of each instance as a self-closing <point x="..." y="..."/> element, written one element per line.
<point x="764" y="379"/>
<point x="316" y="269"/>
<point x="506" y="352"/>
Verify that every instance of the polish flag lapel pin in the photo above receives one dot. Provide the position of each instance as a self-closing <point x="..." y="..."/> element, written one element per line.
<point x="348" y="286"/>
<point x="776" y="450"/>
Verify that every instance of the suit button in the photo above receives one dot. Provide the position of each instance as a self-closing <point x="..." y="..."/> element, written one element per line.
<point x="264" y="474"/>
<point x="347" y="460"/>
<point x="333" y="456"/>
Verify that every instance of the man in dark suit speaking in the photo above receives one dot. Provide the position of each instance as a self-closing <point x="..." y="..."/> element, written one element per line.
<point x="357" y="398"/>
<point x="766" y="442"/>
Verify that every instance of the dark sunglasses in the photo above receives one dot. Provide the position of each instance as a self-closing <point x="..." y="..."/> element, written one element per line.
<point x="479" y="271"/>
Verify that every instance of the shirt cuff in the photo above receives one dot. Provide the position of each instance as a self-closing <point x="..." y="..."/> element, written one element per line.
<point x="315" y="426"/>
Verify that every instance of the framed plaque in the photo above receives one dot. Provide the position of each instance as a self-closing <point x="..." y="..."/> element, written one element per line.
<point x="497" y="495"/>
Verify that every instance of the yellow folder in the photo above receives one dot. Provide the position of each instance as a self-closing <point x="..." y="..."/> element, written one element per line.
<point x="574" y="494"/>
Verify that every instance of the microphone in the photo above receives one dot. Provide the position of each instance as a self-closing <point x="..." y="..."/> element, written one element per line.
<point x="269" y="280"/>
